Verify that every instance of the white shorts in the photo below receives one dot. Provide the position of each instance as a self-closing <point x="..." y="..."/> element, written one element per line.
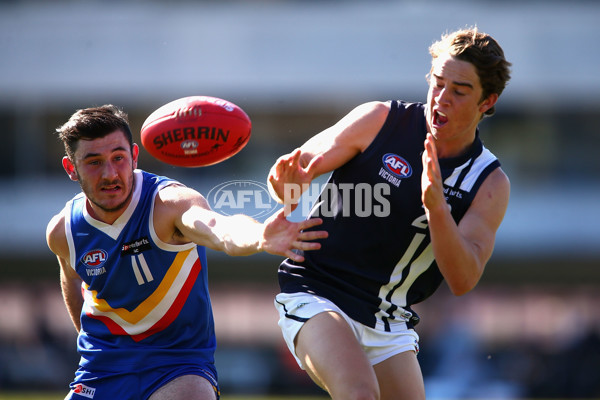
<point x="297" y="308"/>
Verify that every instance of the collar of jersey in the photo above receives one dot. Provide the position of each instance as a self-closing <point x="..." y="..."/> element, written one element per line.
<point x="114" y="230"/>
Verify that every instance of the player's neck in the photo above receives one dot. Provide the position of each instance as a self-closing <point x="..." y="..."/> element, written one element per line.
<point x="106" y="216"/>
<point x="454" y="148"/>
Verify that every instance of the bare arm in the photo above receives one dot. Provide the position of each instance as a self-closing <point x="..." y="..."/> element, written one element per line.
<point x="462" y="251"/>
<point x="183" y="215"/>
<point x="70" y="282"/>
<point x="327" y="150"/>
<point x="71" y="291"/>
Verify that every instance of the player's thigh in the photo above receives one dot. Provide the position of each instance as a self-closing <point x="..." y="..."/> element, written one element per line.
<point x="332" y="356"/>
<point x="400" y="377"/>
<point x="186" y="387"/>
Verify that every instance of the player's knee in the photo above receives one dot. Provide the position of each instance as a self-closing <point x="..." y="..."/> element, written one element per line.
<point x="366" y="394"/>
<point x="357" y="391"/>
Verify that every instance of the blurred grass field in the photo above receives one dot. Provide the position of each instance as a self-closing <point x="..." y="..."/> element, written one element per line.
<point x="59" y="396"/>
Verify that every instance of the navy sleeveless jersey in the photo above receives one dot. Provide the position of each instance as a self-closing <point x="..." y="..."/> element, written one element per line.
<point x="378" y="259"/>
<point x="146" y="302"/>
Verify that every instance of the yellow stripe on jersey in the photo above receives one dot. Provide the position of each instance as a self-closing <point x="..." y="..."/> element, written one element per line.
<point x="101" y="306"/>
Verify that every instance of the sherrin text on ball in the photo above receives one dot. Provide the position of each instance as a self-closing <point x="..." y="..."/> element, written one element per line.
<point x="196" y="131"/>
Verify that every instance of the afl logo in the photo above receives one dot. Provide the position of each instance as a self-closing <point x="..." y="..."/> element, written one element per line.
<point x="189" y="144"/>
<point x="94" y="258"/>
<point x="242" y="197"/>
<point x="397" y="165"/>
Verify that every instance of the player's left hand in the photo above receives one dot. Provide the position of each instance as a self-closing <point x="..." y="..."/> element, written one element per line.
<point x="282" y="236"/>
<point x="432" y="188"/>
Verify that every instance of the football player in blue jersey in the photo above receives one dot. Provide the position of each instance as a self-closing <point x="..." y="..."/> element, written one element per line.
<point x="345" y="311"/>
<point x="131" y="250"/>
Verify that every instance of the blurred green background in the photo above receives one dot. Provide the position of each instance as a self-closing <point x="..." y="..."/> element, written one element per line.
<point x="531" y="329"/>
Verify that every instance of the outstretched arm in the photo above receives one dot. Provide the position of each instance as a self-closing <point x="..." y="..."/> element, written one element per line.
<point x="326" y="151"/>
<point x="237" y="235"/>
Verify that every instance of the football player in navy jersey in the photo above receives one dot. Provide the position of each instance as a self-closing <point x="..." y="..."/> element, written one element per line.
<point x="131" y="249"/>
<point x="345" y="311"/>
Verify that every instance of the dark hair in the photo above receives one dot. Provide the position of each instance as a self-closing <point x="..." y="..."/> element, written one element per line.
<point x="93" y="123"/>
<point x="481" y="50"/>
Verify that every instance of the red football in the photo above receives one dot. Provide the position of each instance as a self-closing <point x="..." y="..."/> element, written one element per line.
<point x="196" y="131"/>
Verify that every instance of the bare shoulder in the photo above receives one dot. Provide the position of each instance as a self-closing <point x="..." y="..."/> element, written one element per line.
<point x="56" y="236"/>
<point x="381" y="106"/>
<point x="498" y="180"/>
<point x="179" y="196"/>
<point x="355" y="131"/>
<point x="373" y="111"/>
<point x="170" y="206"/>
<point x="493" y="196"/>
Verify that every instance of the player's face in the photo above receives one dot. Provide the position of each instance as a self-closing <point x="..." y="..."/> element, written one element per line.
<point x="454" y="105"/>
<point x="104" y="168"/>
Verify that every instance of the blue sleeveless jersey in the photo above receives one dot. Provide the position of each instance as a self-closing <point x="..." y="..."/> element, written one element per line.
<point x="146" y="302"/>
<point x="378" y="259"/>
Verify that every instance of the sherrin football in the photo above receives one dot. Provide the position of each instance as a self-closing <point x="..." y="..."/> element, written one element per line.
<point x="196" y="131"/>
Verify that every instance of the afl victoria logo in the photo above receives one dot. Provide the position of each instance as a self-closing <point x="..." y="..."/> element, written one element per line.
<point x="94" y="258"/>
<point x="397" y="165"/>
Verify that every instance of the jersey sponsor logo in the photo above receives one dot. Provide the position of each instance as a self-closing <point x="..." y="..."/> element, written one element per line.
<point x="449" y="192"/>
<point x="397" y="165"/>
<point x="85" y="391"/>
<point x="94" y="258"/>
<point x="136" y="246"/>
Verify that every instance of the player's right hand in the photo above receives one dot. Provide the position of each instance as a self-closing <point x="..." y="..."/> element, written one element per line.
<point x="295" y="171"/>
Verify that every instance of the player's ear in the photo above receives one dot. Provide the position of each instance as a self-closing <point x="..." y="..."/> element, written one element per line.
<point x="488" y="103"/>
<point x="69" y="168"/>
<point x="135" y="152"/>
